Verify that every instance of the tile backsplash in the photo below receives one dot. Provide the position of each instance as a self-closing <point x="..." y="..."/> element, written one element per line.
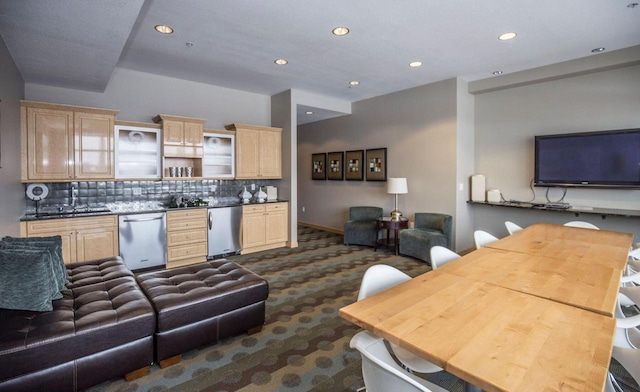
<point x="103" y="192"/>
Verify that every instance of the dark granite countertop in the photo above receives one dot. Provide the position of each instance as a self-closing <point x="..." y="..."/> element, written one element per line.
<point x="124" y="209"/>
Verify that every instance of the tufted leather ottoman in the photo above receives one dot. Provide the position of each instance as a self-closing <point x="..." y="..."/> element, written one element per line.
<point x="202" y="303"/>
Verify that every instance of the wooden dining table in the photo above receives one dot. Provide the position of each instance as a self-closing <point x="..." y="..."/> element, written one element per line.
<point x="602" y="247"/>
<point x="591" y="286"/>
<point x="517" y="319"/>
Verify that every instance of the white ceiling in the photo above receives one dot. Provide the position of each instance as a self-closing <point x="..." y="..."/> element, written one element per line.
<point x="78" y="43"/>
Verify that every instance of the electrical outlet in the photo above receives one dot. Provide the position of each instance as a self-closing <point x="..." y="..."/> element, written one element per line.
<point x="253" y="187"/>
<point x="137" y="191"/>
<point x="304" y="209"/>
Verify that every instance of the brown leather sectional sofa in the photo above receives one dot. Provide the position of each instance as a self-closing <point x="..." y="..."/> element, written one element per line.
<point x="101" y="328"/>
<point x="105" y="326"/>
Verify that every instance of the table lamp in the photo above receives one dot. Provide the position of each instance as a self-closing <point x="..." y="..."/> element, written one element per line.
<point x="396" y="186"/>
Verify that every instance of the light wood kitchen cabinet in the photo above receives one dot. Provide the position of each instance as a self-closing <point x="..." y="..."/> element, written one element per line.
<point x="94" y="145"/>
<point x="83" y="239"/>
<point x="258" y="151"/>
<point x="264" y="226"/>
<point x="182" y="144"/>
<point x="62" y="142"/>
<point x="186" y="237"/>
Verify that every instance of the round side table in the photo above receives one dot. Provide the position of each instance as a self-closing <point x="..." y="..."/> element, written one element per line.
<point x="385" y="223"/>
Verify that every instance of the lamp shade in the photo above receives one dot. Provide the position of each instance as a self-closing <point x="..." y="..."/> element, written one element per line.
<point x="397" y="186"/>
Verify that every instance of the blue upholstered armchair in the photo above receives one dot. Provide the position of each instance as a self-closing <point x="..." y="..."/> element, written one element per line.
<point x="430" y="229"/>
<point x="362" y="226"/>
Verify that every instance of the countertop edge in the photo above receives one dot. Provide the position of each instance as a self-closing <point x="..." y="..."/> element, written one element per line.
<point x="33" y="217"/>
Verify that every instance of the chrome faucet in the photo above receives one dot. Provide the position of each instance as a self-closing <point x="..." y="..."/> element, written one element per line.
<point x="74" y="196"/>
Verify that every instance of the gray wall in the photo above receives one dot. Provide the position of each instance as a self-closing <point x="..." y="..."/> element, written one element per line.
<point x="417" y="126"/>
<point x="507" y="120"/>
<point x="464" y="165"/>
<point x="283" y="116"/>
<point x="141" y="96"/>
<point x="11" y="190"/>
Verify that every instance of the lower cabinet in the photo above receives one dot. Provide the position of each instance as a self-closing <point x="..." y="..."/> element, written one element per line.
<point x="186" y="237"/>
<point x="264" y="226"/>
<point x="82" y="238"/>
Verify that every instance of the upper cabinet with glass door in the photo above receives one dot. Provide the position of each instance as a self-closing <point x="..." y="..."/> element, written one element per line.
<point x="138" y="148"/>
<point x="218" y="160"/>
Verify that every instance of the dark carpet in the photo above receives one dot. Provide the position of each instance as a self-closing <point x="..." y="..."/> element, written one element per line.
<point x="304" y="345"/>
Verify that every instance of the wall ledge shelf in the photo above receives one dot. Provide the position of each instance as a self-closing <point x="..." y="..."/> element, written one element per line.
<point x="603" y="212"/>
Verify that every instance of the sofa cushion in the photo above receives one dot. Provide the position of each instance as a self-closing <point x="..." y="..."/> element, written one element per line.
<point x="52" y="243"/>
<point x="96" y="271"/>
<point x="26" y="280"/>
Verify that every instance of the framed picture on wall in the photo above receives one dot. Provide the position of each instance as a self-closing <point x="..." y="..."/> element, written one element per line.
<point x="335" y="165"/>
<point x="318" y="164"/>
<point x="376" y="164"/>
<point x="353" y="161"/>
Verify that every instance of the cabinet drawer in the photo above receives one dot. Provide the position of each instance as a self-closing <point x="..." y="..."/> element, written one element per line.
<point x="186" y="252"/>
<point x="186" y="225"/>
<point x="182" y="215"/>
<point x="186" y="237"/>
<point x="276" y="207"/>
<point x="253" y="209"/>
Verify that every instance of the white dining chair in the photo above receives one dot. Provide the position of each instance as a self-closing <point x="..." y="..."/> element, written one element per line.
<point x="629" y="358"/>
<point x="379" y="278"/>
<point x="582" y="224"/>
<point x="380" y="371"/>
<point x="633" y="262"/>
<point x="627" y="333"/>
<point x="512" y="227"/>
<point x="441" y="256"/>
<point x="482" y="238"/>
<point x="382" y="277"/>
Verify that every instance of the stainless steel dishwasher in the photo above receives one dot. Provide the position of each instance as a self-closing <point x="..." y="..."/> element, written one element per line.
<point x="224" y="231"/>
<point x="143" y="240"/>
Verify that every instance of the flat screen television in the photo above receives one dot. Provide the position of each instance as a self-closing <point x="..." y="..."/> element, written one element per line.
<point x="605" y="159"/>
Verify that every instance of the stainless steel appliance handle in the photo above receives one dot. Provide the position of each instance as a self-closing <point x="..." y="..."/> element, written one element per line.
<point x="142" y="219"/>
<point x="210" y="220"/>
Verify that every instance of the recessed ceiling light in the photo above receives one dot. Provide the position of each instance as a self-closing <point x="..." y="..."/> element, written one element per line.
<point x="309" y="112"/>
<point x="497" y="72"/>
<point x="164" y="29"/>
<point x="507" y="36"/>
<point x="340" y="31"/>
<point x="415" y="64"/>
<point x="280" y="61"/>
<point x="354" y="83"/>
<point x="597" y="50"/>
